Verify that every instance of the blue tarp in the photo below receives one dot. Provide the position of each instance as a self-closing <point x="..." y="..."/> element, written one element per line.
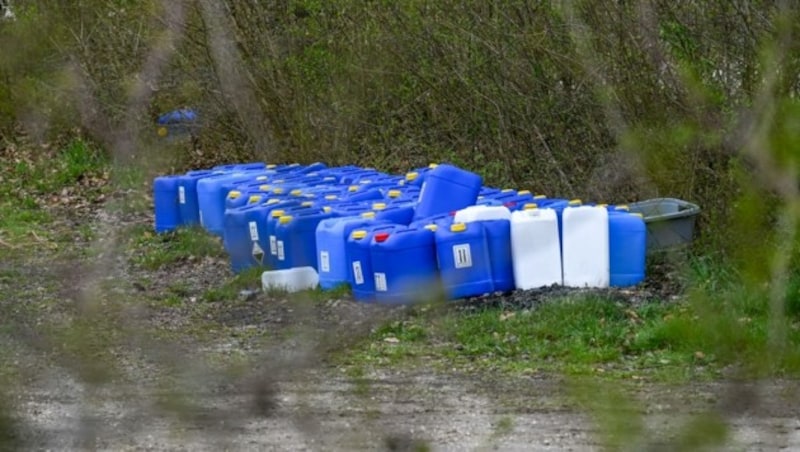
<point x="181" y="116"/>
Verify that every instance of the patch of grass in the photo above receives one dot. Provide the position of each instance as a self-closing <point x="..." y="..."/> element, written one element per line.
<point x="249" y="279"/>
<point x="504" y="426"/>
<point x="719" y="325"/>
<point x="32" y="176"/>
<point x="153" y="251"/>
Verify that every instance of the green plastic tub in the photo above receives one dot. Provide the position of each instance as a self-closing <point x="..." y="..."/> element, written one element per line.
<point x="670" y="222"/>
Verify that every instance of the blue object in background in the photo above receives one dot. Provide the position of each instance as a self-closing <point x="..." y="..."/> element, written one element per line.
<point x="177" y="123"/>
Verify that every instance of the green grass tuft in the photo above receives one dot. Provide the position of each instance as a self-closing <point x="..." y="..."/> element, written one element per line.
<point x="153" y="251"/>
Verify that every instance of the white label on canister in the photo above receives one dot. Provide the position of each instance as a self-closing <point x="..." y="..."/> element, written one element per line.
<point x="380" y="282"/>
<point x="358" y="275"/>
<point x="462" y="256"/>
<point x="280" y="250"/>
<point x="324" y="262"/>
<point x="273" y="247"/>
<point x="181" y="195"/>
<point x="253" y="231"/>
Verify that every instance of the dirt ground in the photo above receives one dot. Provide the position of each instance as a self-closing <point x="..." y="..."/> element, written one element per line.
<point x="97" y="363"/>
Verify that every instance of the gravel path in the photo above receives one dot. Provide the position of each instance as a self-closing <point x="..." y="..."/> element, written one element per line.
<point x="145" y="383"/>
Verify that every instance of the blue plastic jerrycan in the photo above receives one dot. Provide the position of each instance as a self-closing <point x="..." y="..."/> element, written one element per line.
<point x="404" y="265"/>
<point x="187" y="196"/>
<point x="487" y="191"/>
<point x="464" y="260"/>
<point x="353" y="178"/>
<point x="331" y="238"/>
<point x="498" y="238"/>
<point x="405" y="193"/>
<point x="287" y="207"/>
<point x="166" y="203"/>
<point x="248" y="166"/>
<point x="627" y="240"/>
<point x="396" y="214"/>
<point x="248" y="194"/>
<point x="296" y="238"/>
<point x="370" y="194"/>
<point x="443" y="220"/>
<point x="416" y="176"/>
<point x="447" y="188"/>
<point x="359" y="261"/>
<point x="212" y="192"/>
<point x="245" y="237"/>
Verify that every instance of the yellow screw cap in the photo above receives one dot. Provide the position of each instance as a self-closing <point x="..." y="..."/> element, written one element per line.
<point x="623" y="207"/>
<point x="285" y="219"/>
<point x="433" y="165"/>
<point x="638" y="214"/>
<point x="254" y="199"/>
<point x="272" y="166"/>
<point x="234" y="194"/>
<point x="277" y="191"/>
<point x="602" y="205"/>
<point x="273" y="201"/>
<point x="265" y="187"/>
<point x="524" y="192"/>
<point x="575" y="202"/>
<point x="261" y="178"/>
<point x="367" y="215"/>
<point x="326" y="209"/>
<point x="507" y="190"/>
<point x="352" y="188"/>
<point x="394" y="193"/>
<point x="431" y="227"/>
<point x="540" y="197"/>
<point x="277" y="213"/>
<point x="378" y="206"/>
<point x="412" y="176"/>
<point x="458" y="227"/>
<point x="296" y="192"/>
<point x="331" y="197"/>
<point x="530" y="206"/>
<point x="307" y="203"/>
<point x="358" y="234"/>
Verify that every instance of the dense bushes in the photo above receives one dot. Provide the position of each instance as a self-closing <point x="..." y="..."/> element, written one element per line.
<point x="612" y="102"/>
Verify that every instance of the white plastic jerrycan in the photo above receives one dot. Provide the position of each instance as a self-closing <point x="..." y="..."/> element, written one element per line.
<point x="535" y="248"/>
<point x="585" y="249"/>
<point x="290" y="279"/>
<point x="482" y="213"/>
